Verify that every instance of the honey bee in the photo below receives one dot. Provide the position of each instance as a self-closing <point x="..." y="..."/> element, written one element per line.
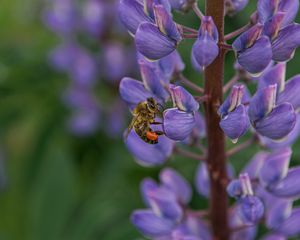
<point x="143" y="116"/>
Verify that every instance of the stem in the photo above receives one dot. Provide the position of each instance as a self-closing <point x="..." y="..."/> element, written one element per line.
<point x="197" y="10"/>
<point x="231" y="82"/>
<point x="190" y="84"/>
<point x="187" y="29"/>
<point x="240" y="147"/>
<point x="237" y="32"/>
<point x="216" y="156"/>
<point x="188" y="154"/>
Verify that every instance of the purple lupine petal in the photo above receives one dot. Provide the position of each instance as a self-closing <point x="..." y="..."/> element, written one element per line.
<point x="208" y="27"/>
<point x="152" y="43"/>
<point x="165" y="23"/>
<point x="205" y="50"/>
<point x="233" y="100"/>
<point x="290" y="227"/>
<point x="133" y="91"/>
<point x="195" y="64"/>
<point x="254" y="165"/>
<point x="94" y="13"/>
<point x="196" y="227"/>
<point x="256" y="58"/>
<point x="149" y="6"/>
<point x="152" y="80"/>
<point x="291" y="93"/>
<point x="273" y="25"/>
<point x="262" y="102"/>
<point x="149" y="154"/>
<point x="285" y="44"/>
<point x="150" y="224"/>
<point x="251" y="209"/>
<point x="275" y="167"/>
<point x="199" y="129"/>
<point x="234" y="189"/>
<point x="171" y="64"/>
<point x="84" y="122"/>
<point x="288" y="140"/>
<point x="277" y="212"/>
<point x="62" y="16"/>
<point x="274" y="237"/>
<point x="177" y="184"/>
<point x="236" y="123"/>
<point x="178" y="125"/>
<point x="131" y="13"/>
<point x="291" y="8"/>
<point x="246" y="233"/>
<point x="146" y="186"/>
<point x="202" y="181"/>
<point x="274" y="75"/>
<point x="279" y="123"/>
<point x="83" y="69"/>
<point x="266" y="9"/>
<point x="248" y="38"/>
<point x="183" y="99"/>
<point x="289" y="187"/>
<point x="164" y="204"/>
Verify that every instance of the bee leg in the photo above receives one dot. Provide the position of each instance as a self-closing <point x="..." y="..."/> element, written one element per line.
<point x="156" y="123"/>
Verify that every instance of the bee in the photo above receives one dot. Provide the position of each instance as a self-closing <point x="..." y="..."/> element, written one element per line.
<point x="143" y="116"/>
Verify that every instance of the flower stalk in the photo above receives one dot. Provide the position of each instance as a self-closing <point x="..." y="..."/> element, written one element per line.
<point x="216" y="156"/>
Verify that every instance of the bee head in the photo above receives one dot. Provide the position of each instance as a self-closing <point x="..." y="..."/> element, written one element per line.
<point x="151" y="104"/>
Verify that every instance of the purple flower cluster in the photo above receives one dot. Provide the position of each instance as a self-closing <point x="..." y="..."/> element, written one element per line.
<point x="266" y="188"/>
<point x="81" y="28"/>
<point x="167" y="215"/>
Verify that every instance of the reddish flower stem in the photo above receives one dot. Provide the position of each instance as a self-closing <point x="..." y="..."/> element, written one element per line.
<point x="216" y="155"/>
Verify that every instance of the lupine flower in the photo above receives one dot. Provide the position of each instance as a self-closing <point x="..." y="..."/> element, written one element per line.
<point x="235" y="120"/>
<point x="254" y="51"/>
<point x="268" y="119"/>
<point x="85" y="119"/>
<point x="165" y="217"/>
<point x="94" y="15"/>
<point x="61" y="16"/>
<point x="158" y="40"/>
<point x="275" y="167"/>
<point x="250" y="207"/>
<point x="205" y="49"/>
<point x="277" y="17"/>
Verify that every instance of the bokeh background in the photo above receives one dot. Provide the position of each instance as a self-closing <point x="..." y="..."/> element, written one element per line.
<point x="62" y="178"/>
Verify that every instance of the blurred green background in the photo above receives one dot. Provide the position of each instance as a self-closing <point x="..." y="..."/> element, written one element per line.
<point x="54" y="185"/>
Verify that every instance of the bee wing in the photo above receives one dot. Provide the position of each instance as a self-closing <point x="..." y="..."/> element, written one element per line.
<point x="131" y="126"/>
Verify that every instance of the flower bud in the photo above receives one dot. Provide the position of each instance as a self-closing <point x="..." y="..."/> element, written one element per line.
<point x="206" y="49"/>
